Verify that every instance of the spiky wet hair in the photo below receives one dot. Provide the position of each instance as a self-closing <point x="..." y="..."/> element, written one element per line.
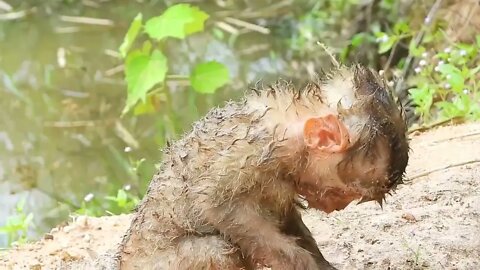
<point x="384" y="120"/>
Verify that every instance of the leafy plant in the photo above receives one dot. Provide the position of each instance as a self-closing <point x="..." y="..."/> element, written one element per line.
<point x="447" y="83"/>
<point x="17" y="225"/>
<point x="400" y="31"/>
<point x="123" y="202"/>
<point x="147" y="66"/>
<point x="444" y="78"/>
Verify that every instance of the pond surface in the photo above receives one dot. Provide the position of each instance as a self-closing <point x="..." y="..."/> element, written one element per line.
<point x="62" y="91"/>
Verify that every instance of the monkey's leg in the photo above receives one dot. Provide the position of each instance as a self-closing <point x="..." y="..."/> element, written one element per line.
<point x="201" y="253"/>
<point x="294" y="226"/>
<point x="259" y="239"/>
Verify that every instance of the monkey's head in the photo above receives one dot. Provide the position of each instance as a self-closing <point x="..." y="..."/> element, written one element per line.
<point x="359" y="152"/>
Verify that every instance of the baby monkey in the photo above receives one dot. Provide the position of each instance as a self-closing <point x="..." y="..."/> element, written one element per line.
<point x="226" y="195"/>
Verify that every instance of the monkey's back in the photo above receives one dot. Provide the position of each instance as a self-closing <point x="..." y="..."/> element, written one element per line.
<point x="229" y="153"/>
<point x="203" y="169"/>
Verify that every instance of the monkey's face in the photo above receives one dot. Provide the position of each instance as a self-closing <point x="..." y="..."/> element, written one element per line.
<point x="328" y="188"/>
<point x="361" y="153"/>
<point x="334" y="177"/>
<point x="326" y="141"/>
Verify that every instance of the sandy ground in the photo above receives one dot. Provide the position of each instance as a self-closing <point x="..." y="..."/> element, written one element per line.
<point x="432" y="222"/>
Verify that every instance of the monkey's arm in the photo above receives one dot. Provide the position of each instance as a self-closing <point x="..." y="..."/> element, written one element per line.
<point x="258" y="238"/>
<point x="293" y="225"/>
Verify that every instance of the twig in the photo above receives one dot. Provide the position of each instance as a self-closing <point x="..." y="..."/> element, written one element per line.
<point x="390" y="57"/>
<point x="253" y="49"/>
<point x="16" y="14"/>
<point x="90" y="3"/>
<point x="127" y="137"/>
<point x="247" y="25"/>
<point x="114" y="70"/>
<point x="418" y="39"/>
<point x="86" y="20"/>
<point x="463" y="136"/>
<point x="67" y="29"/>
<point x="72" y="124"/>
<point x="227" y="27"/>
<point x="112" y="53"/>
<point x="5" y="6"/>
<point x="435" y="124"/>
<point x="270" y="11"/>
<point x="330" y="54"/>
<point x="443" y="168"/>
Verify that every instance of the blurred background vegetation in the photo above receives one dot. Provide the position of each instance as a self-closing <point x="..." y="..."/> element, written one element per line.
<point x="83" y="121"/>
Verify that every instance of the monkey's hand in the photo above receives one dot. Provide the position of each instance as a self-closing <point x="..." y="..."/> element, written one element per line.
<point x="260" y="239"/>
<point x="293" y="225"/>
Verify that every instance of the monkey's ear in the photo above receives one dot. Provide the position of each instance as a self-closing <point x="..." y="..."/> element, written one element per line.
<point x="326" y="133"/>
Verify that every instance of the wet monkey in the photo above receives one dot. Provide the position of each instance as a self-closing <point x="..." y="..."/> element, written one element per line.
<point x="226" y="194"/>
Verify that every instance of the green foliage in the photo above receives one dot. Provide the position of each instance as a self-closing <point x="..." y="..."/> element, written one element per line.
<point x="445" y="80"/>
<point x="17" y="225"/>
<point x="401" y="31"/>
<point x="177" y="21"/>
<point x="209" y="76"/>
<point x="131" y="35"/>
<point x="143" y="71"/>
<point x="124" y="202"/>
<point x="446" y="84"/>
<point x="147" y="67"/>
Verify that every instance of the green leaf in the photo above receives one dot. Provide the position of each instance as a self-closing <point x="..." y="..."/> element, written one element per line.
<point x="121" y="197"/>
<point x="358" y="39"/>
<point x="131" y="35"/>
<point x="416" y="51"/>
<point x="198" y="20"/>
<point x="448" y="109"/>
<point x="177" y="21"/>
<point x="142" y="72"/>
<point x="423" y="98"/>
<point x="28" y="219"/>
<point x="208" y="77"/>
<point x="386" y="42"/>
<point x="474" y="71"/>
<point x="453" y="75"/>
<point x="401" y="28"/>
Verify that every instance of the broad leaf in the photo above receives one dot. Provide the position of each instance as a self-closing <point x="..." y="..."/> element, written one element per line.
<point x="386" y="42"/>
<point x="358" y="39"/>
<point x="131" y="35"/>
<point x="142" y="72"/>
<point x="454" y="76"/>
<point x="198" y="21"/>
<point x="401" y="28"/>
<point x="208" y="77"/>
<point x="177" y="21"/>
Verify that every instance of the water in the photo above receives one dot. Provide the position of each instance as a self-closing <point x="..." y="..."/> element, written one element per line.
<point x="61" y="136"/>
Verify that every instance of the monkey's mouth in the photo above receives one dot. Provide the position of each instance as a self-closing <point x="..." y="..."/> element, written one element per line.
<point x="337" y="198"/>
<point x="329" y="199"/>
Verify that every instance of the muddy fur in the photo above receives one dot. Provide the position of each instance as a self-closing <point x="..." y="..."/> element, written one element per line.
<point x="225" y="194"/>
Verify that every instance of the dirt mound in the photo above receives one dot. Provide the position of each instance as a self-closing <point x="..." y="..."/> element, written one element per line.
<point x="431" y="222"/>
